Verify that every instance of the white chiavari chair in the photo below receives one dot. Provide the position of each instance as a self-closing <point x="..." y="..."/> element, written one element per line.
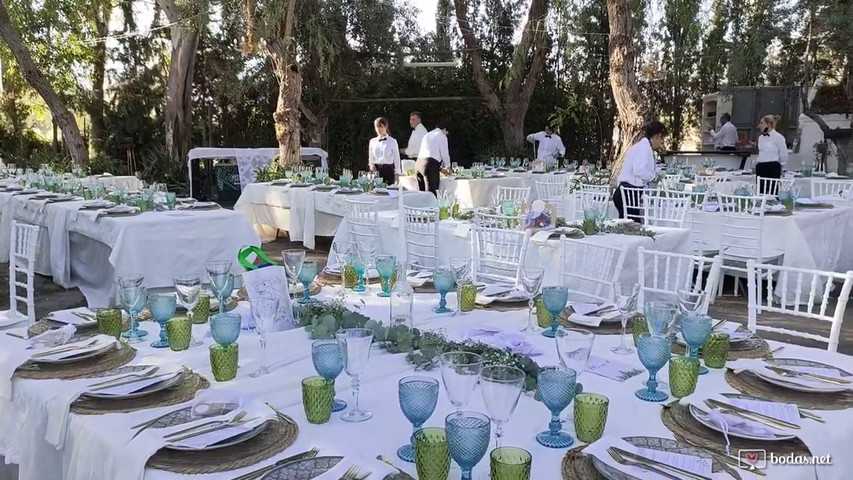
<point x="554" y="189"/>
<point x="772" y="186"/>
<point x="662" y="274"/>
<point x="834" y="191"/>
<point x="421" y="237"/>
<point x="498" y="254"/>
<point x="669" y="181"/>
<point x="711" y="182"/>
<point x="632" y="198"/>
<point x="496" y="220"/>
<point x="695" y="220"/>
<point x="22" y="263"/>
<point x="363" y="224"/>
<point x="585" y="199"/>
<point x="664" y="210"/>
<point x="517" y="194"/>
<point x="763" y="280"/>
<point x="742" y="236"/>
<point x="587" y="187"/>
<point x="588" y="270"/>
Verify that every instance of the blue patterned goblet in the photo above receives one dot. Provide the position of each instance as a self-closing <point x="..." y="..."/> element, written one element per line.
<point x="162" y="308"/>
<point x="225" y="327"/>
<point x="418" y="398"/>
<point x="306" y="276"/>
<point x="468" y="435"/>
<point x="444" y="279"/>
<point x="133" y="296"/>
<point x="654" y="351"/>
<point x="555" y="299"/>
<point x="557" y="388"/>
<point x="696" y="329"/>
<point x="385" y="265"/>
<point x="329" y="363"/>
<point x="356" y="261"/>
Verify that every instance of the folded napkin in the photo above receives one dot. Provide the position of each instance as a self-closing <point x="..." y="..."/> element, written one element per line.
<point x="728" y="422"/>
<point x="585" y="314"/>
<point x="711" y="207"/>
<point x="73" y="316"/>
<point x="775" y="208"/>
<point x="53" y="338"/>
<point x="834" y="175"/>
<point x="541" y="237"/>
<point x="492" y="292"/>
<point x="759" y="366"/>
<point x="512" y="341"/>
<point x="696" y="464"/>
<point x="15" y="352"/>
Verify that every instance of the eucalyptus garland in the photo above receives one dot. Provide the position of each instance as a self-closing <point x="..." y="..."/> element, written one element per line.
<point x="632" y="228"/>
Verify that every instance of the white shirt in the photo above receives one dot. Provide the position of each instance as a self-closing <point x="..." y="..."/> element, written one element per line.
<point x="726" y="137"/>
<point x="415" y="140"/>
<point x="550" y="146"/>
<point x="639" y="167"/>
<point x="772" y="148"/>
<point x="435" y="146"/>
<point x="384" y="152"/>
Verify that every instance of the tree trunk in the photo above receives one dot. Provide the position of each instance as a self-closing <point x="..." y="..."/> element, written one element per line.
<point x="622" y="79"/>
<point x="179" y="106"/>
<point x="286" y="116"/>
<point x="95" y="104"/>
<point x="317" y="123"/>
<point x="512" y="127"/>
<point x="32" y="73"/>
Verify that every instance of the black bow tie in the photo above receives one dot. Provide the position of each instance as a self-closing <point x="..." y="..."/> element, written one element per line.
<point x="765" y="134"/>
<point x="383" y="139"/>
<point x="547" y="136"/>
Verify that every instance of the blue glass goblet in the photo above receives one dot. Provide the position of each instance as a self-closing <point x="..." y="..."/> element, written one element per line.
<point x="358" y="264"/>
<point x="306" y="276"/>
<point x="557" y="387"/>
<point x="162" y="308"/>
<point x="444" y="279"/>
<point x="555" y="299"/>
<point x="418" y="398"/>
<point x="329" y="363"/>
<point x="385" y="265"/>
<point x="654" y="351"/>
<point x="696" y="328"/>
<point x="133" y="298"/>
<point x="468" y="435"/>
<point x="225" y="327"/>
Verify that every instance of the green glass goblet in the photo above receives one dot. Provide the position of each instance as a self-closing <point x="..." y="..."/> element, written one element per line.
<point x="683" y="375"/>
<point x="110" y="321"/>
<point x="432" y="454"/>
<point x="223" y="361"/>
<point x="510" y="463"/>
<point x="716" y="350"/>
<point x="318" y="395"/>
<point x="179" y="331"/>
<point x="590" y="416"/>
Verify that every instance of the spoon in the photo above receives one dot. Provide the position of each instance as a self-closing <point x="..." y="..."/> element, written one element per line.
<point x="383" y="458"/>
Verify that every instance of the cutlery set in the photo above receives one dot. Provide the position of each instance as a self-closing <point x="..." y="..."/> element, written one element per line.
<point x="632" y="459"/>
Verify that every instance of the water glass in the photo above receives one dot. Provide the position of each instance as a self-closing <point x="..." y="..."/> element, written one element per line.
<point x="501" y="387"/>
<point x="461" y="268"/>
<point x="317" y="398"/>
<point x="626" y="301"/>
<point x="654" y="351"/>
<point x="531" y="280"/>
<point x="293" y="260"/>
<point x="468" y="435"/>
<point x="460" y="372"/>
<point x="162" y="308"/>
<point x="690" y="301"/>
<point x="683" y="375"/>
<point x="432" y="454"/>
<point x="223" y="361"/>
<point x="467" y="297"/>
<point x="716" y="350"/>
<point x="171" y="200"/>
<point x="696" y="329"/>
<point x="225" y="327"/>
<point x="557" y="388"/>
<point x="660" y="316"/>
<point x="179" y="331"/>
<point x="328" y="361"/>
<point x="221" y="280"/>
<point x="555" y="299"/>
<point x="133" y="296"/>
<point x="264" y="311"/>
<point x="418" y="396"/>
<point x="402" y="302"/>
<point x="590" y="216"/>
<point x="574" y="346"/>
<point x="358" y="262"/>
<point x="110" y="321"/>
<point x="385" y="265"/>
<point x="444" y="279"/>
<point x="355" y="344"/>
<point x="510" y="463"/>
<point x="590" y="416"/>
<point x="306" y="275"/>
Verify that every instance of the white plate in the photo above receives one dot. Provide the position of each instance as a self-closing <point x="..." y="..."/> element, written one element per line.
<point x="94" y="353"/>
<point x="704" y="419"/>
<point x="812" y="387"/>
<point x="335" y="269"/>
<point x="230" y="442"/>
<point x="157" y="387"/>
<point x="515" y="296"/>
<point x="98" y="204"/>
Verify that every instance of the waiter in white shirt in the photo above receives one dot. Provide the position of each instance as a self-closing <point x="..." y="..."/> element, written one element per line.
<point x="432" y="158"/>
<point x="550" y="145"/>
<point x="638" y="170"/>
<point x="419" y="131"/>
<point x="383" y="153"/>
<point x="772" y="154"/>
<point x="726" y="138"/>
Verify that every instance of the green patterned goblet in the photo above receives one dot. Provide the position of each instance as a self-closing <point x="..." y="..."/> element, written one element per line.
<point x="590" y="416"/>
<point x="683" y="374"/>
<point x="510" y="463"/>
<point x="467" y="293"/>
<point x="432" y="454"/>
<point x="201" y="311"/>
<point x="110" y="321"/>
<point x="638" y="327"/>
<point x="223" y="361"/>
<point x="716" y="350"/>
<point x="318" y="395"/>
<point x="179" y="330"/>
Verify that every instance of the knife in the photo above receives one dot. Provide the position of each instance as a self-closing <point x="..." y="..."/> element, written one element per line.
<point x="760" y="417"/>
<point x="641" y="458"/>
<point x="133" y="380"/>
<point x="261" y="471"/>
<point x="813" y="376"/>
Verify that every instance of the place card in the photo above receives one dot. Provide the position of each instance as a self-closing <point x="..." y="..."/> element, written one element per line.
<point x="691" y="463"/>
<point x="611" y="369"/>
<point x="462" y="230"/>
<point x="212" y="438"/>
<point x="787" y="412"/>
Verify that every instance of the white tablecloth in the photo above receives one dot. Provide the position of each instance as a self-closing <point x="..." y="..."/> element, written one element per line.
<point x="93" y="439"/>
<point x="472" y="193"/>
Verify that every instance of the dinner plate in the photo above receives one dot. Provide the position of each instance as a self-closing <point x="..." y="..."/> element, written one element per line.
<point x="813" y="387"/>
<point x="94" y="353"/>
<point x="655" y="443"/>
<point x="705" y="419"/>
<point x="306" y="469"/>
<point x="157" y="387"/>
<point x="228" y="442"/>
<point x="512" y="297"/>
<point x="335" y="269"/>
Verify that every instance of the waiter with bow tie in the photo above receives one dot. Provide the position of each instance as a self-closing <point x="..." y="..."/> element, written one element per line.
<point x="383" y="153"/>
<point x="550" y="145"/>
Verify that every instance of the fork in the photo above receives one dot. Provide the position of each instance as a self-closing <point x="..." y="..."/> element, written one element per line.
<point x="236" y="418"/>
<point x="634" y="463"/>
<point x="67" y="348"/>
<point x="352" y="474"/>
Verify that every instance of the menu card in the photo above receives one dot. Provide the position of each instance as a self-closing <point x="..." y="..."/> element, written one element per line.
<point x="611" y="369"/>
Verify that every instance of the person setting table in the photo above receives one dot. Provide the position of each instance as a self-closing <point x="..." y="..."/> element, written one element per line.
<point x="772" y="151"/>
<point x="419" y="131"/>
<point x="638" y="169"/>
<point x="726" y="138"/>
<point x="433" y="158"/>
<point x="550" y="145"/>
<point x="383" y="152"/>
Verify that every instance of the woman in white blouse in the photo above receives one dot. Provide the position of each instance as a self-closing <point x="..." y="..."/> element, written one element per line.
<point x="638" y="170"/>
<point x="383" y="153"/>
<point x="772" y="153"/>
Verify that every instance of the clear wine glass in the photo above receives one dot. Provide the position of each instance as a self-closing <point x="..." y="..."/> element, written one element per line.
<point x="293" y="260"/>
<point x="188" y="288"/>
<point x="501" y="387"/>
<point x="690" y="302"/>
<point x="574" y="346"/>
<point x="626" y="301"/>
<point x="355" y="344"/>
<point x="531" y="280"/>
<point x="221" y="280"/>
<point x="264" y="310"/>
<point x="460" y="372"/>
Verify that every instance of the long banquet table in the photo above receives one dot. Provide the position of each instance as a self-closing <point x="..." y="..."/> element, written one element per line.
<point x="91" y="440"/>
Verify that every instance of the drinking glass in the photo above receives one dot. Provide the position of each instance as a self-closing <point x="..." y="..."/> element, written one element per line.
<point x="264" y="310"/>
<point x="221" y="280"/>
<point x="574" y="346"/>
<point x="626" y="302"/>
<point x="443" y="279"/>
<point x="341" y="253"/>
<point x="590" y="416"/>
<point x="355" y="344"/>
<point x="171" y="199"/>
<point x="356" y="260"/>
<point x="432" y="456"/>
<point x="189" y="290"/>
<point x="461" y="268"/>
<point x="225" y="327"/>
<point x="557" y="387"/>
<point x="162" y="308"/>
<point x="317" y="394"/>
<point x="328" y="361"/>
<point x="690" y="302"/>
<point x="654" y="350"/>
<point x="468" y="435"/>
<point x="510" y="463"/>
<point x="385" y="265"/>
<point x="501" y="387"/>
<point x="460" y="372"/>
<point x="683" y="374"/>
<point x="696" y="329"/>
<point x="555" y="299"/>
<point x="716" y="350"/>
<point x="132" y="295"/>
<point x="531" y="280"/>
<point x="418" y="397"/>
<point x="306" y="275"/>
<point x="293" y="260"/>
<point x="660" y="316"/>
